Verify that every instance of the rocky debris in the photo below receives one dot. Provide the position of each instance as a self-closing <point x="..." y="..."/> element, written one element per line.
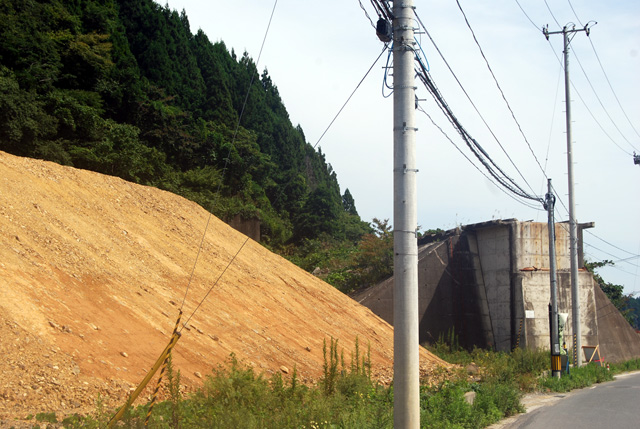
<point x="472" y="369"/>
<point x="470" y="397"/>
<point x="36" y="380"/>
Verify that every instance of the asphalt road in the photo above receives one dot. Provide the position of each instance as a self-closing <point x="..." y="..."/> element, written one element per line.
<point x="615" y="404"/>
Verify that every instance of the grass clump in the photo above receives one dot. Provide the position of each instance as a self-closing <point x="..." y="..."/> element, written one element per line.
<point x="578" y="378"/>
<point x="234" y="395"/>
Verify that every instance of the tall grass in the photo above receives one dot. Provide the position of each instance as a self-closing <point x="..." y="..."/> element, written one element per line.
<point x="235" y="396"/>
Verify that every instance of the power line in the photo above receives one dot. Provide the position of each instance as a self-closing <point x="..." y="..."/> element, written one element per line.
<point x="214" y="284"/>
<point x="603" y="71"/>
<point x="553" y="114"/>
<point x="614" y="256"/>
<point x="593" y="89"/>
<point x="606" y="77"/>
<point x="349" y="98"/>
<point x="611" y="87"/>
<point x="612" y="245"/>
<point x="602" y="105"/>
<point x="584" y="103"/>
<point x="226" y="164"/>
<point x="552" y="15"/>
<point x="501" y="91"/>
<point x="531" y="206"/>
<point x="484" y="158"/>
<point x="367" y="14"/>
<point x="525" y="14"/>
<point x="477" y="111"/>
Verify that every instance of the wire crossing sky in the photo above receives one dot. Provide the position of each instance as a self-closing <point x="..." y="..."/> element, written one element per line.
<point x="318" y="52"/>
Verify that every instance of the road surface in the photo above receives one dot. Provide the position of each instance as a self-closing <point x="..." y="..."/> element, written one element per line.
<point x="614" y="404"/>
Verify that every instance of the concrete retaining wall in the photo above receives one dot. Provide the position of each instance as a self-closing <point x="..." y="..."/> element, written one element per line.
<point x="490" y="284"/>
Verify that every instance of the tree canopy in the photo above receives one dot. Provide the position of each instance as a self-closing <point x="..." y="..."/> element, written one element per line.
<point x="123" y="87"/>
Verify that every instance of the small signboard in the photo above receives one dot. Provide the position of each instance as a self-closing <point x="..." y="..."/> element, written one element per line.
<point x="592" y="354"/>
<point x="529" y="314"/>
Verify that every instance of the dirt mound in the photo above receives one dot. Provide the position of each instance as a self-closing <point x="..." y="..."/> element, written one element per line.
<point x="93" y="271"/>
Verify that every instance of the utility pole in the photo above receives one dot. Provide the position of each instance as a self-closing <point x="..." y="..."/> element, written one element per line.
<point x="573" y="226"/>
<point x="406" y="363"/>
<point x="549" y="205"/>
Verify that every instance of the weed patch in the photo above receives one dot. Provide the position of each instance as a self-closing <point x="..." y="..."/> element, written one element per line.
<point x="234" y="395"/>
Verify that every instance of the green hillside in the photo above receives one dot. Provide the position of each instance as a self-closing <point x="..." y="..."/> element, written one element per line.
<point x="123" y="87"/>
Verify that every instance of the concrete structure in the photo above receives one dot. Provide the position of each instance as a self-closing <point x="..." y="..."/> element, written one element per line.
<point x="490" y="284"/>
<point x="249" y="227"/>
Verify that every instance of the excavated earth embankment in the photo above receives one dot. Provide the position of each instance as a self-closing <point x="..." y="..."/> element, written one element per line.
<point x="94" y="270"/>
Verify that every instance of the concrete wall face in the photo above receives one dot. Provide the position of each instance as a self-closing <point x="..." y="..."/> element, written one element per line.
<point x="490" y="284"/>
<point x="495" y="259"/>
<point x="536" y="299"/>
<point x="532" y="246"/>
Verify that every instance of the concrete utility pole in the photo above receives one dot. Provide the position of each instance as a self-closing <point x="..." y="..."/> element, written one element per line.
<point x="573" y="225"/>
<point x="406" y="363"/>
<point x="556" y="366"/>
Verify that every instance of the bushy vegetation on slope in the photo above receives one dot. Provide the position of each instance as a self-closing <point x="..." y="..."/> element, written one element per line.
<point x="123" y="87"/>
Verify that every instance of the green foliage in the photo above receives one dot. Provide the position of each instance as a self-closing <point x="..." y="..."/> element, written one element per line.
<point x="578" y="378"/>
<point x="349" y="264"/>
<point x="613" y="292"/>
<point x="234" y="395"/>
<point x="125" y="88"/>
<point x="330" y="367"/>
<point x="47" y="417"/>
<point x="348" y="203"/>
<point x="633" y="305"/>
<point x="444" y="405"/>
<point x="630" y="365"/>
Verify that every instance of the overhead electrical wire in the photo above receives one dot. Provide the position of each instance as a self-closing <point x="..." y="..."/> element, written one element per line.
<point x="553" y="114"/>
<point x="226" y="164"/>
<point x="525" y="14"/>
<point x="584" y="103"/>
<point x="602" y="105"/>
<point x="351" y="95"/>
<point x="612" y="90"/>
<point x="367" y="14"/>
<point x="606" y="78"/>
<point x="531" y="206"/>
<point x="552" y="15"/>
<point x="612" y="245"/>
<point x="495" y="79"/>
<point x="615" y="257"/>
<point x="383" y="10"/>
<point x="494" y="170"/>
<point x="490" y="165"/>
<point x="471" y="101"/>
<point x="574" y="87"/>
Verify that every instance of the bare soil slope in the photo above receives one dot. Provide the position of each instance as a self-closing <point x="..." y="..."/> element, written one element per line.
<point x="93" y="271"/>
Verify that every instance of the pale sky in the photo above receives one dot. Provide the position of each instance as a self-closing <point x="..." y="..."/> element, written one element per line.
<point x="316" y="52"/>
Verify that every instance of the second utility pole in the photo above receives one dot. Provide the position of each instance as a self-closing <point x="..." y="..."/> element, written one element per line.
<point x="549" y="205"/>
<point x="573" y="226"/>
<point x="406" y="354"/>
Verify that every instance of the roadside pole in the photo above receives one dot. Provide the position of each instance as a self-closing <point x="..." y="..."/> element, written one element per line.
<point x="549" y="205"/>
<point x="573" y="225"/>
<point x="406" y="369"/>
